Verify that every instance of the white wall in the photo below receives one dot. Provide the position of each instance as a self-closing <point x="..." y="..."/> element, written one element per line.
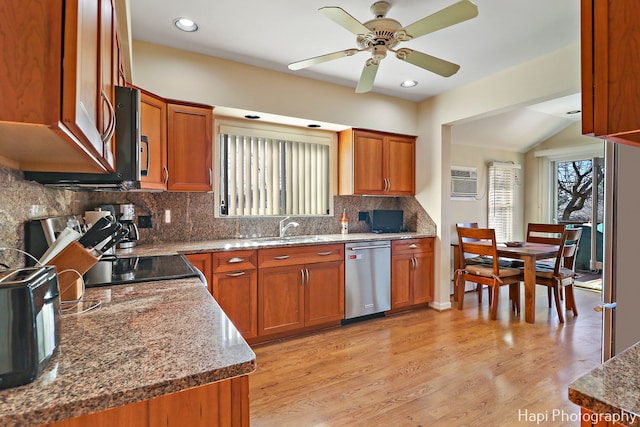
<point x="547" y="77"/>
<point x="178" y="74"/>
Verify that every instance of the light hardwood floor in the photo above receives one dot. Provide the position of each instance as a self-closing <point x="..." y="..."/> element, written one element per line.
<point x="425" y="368"/>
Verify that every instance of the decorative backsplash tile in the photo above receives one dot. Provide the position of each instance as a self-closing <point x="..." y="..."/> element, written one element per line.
<point x="192" y="214"/>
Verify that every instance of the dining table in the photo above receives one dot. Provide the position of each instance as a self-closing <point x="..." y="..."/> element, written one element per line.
<point x="529" y="253"/>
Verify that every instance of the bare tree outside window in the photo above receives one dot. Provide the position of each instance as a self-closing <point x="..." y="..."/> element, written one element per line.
<point x="575" y="190"/>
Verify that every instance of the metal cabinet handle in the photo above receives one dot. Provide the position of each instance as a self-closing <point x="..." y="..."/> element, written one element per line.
<point x="281" y="257"/>
<point x="412" y="263"/>
<point x="413" y="246"/>
<point x="325" y="253"/>
<point x="388" y="184"/>
<point x="307" y="271"/>
<point x="166" y="175"/>
<point x="302" y="276"/>
<point x="111" y="126"/>
<point x="234" y="260"/>
<point x="239" y="273"/>
<point x="210" y="177"/>
<point x="601" y="307"/>
<point x="415" y="263"/>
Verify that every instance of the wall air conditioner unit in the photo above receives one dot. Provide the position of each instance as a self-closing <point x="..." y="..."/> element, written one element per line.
<point x="464" y="181"/>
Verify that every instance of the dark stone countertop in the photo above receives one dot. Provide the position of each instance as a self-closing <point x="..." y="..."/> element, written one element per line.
<point x="145" y="340"/>
<point x="612" y="389"/>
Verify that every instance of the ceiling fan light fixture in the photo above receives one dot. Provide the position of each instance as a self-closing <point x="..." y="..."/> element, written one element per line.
<point x="185" y="24"/>
<point x="409" y="83"/>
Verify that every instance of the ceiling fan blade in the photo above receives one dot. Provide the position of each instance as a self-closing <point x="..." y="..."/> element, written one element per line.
<point x="368" y="76"/>
<point x="342" y="18"/>
<point x="428" y="62"/>
<point x="454" y="14"/>
<point x="322" y="58"/>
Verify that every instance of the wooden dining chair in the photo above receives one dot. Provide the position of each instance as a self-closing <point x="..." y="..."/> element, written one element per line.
<point x="482" y="242"/>
<point x="550" y="234"/>
<point x="562" y="275"/>
<point x="462" y="258"/>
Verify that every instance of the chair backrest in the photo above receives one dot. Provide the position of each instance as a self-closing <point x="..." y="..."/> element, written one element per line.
<point x="465" y="225"/>
<point x="478" y="241"/>
<point x="570" y="249"/>
<point x="545" y="233"/>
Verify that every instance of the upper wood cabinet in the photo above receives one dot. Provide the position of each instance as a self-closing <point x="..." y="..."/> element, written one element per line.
<point x="57" y="69"/>
<point x="610" y="69"/>
<point x="153" y="155"/>
<point x="189" y="139"/>
<point x="376" y="163"/>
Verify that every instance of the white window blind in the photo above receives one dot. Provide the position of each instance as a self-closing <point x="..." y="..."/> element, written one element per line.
<point x="268" y="175"/>
<point x="503" y="199"/>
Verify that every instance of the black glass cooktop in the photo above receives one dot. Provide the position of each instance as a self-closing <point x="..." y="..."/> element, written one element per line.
<point x="129" y="270"/>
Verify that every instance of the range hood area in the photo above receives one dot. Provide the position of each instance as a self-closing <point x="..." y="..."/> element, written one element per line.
<point x="128" y="143"/>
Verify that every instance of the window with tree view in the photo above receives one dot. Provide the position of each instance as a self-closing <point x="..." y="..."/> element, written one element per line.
<point x="575" y="191"/>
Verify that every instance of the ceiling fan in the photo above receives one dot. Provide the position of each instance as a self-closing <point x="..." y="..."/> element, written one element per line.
<point x="382" y="34"/>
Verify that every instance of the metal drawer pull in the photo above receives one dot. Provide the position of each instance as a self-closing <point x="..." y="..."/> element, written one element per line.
<point x="234" y="260"/>
<point x="281" y="257"/>
<point x="362" y="248"/>
<point x="413" y="246"/>
<point x="302" y="274"/>
<point x="325" y="253"/>
<point x="239" y="273"/>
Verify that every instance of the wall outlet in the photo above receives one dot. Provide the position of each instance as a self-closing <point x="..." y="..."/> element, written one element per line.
<point x="167" y="216"/>
<point x="144" y="221"/>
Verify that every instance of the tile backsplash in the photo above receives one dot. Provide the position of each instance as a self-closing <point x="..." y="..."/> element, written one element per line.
<point x="192" y="214"/>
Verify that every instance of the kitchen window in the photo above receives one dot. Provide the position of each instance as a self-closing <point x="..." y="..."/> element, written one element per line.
<point x="274" y="170"/>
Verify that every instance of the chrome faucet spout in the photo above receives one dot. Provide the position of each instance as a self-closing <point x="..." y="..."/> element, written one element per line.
<point x="284" y="228"/>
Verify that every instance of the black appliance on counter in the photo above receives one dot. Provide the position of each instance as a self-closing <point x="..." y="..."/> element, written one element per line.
<point x="128" y="143"/>
<point x="387" y="221"/>
<point x="29" y="323"/>
<point x="129" y="270"/>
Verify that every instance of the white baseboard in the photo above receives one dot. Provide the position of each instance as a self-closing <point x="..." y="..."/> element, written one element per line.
<point x="440" y="306"/>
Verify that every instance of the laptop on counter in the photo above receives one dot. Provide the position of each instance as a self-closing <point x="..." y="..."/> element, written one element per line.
<point x="387" y="221"/>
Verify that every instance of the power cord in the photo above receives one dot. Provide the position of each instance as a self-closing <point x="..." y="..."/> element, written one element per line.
<point x="66" y="311"/>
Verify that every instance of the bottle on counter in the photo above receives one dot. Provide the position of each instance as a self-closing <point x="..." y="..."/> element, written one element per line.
<point x="344" y="222"/>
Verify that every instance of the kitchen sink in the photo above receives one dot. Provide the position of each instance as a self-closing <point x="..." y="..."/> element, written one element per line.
<point x="289" y="240"/>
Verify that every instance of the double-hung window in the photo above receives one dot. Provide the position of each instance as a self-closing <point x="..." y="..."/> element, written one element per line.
<point x="274" y="170"/>
<point x="503" y="195"/>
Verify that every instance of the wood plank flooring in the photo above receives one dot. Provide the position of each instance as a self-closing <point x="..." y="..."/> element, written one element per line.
<point x="425" y="368"/>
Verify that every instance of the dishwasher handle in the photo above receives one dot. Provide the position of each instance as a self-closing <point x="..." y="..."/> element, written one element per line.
<point x="363" y="248"/>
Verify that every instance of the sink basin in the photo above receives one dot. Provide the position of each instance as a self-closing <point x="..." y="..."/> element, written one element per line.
<point x="289" y="240"/>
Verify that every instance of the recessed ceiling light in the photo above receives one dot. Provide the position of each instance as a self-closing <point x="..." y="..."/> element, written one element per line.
<point x="409" y="83"/>
<point x="251" y="117"/>
<point x="574" y="112"/>
<point x="185" y="24"/>
<point x="313" y="125"/>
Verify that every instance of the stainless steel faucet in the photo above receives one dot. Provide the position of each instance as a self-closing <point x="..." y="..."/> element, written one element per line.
<point x="284" y="228"/>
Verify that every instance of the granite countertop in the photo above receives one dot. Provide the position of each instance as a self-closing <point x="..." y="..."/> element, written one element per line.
<point x="612" y="389"/>
<point x="145" y="340"/>
<point x="168" y="248"/>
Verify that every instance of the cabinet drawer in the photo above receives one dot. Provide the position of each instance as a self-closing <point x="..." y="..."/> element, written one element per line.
<point x="234" y="261"/>
<point x="411" y="246"/>
<point x="277" y="257"/>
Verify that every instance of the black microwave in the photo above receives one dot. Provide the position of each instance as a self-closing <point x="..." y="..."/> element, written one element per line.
<point x="128" y="144"/>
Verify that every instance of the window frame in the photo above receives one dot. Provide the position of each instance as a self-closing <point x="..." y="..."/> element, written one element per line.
<point x="224" y="125"/>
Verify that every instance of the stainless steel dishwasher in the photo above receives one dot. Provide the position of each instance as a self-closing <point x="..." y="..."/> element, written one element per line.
<point x="367" y="278"/>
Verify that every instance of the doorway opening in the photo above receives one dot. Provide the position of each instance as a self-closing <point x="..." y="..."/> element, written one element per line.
<point x="579" y="202"/>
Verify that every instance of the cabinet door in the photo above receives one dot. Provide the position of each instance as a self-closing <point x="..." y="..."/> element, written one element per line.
<point x="400" y="173"/>
<point x="609" y="73"/>
<point x="368" y="163"/>
<point x="153" y="157"/>
<point x="423" y="278"/>
<point x="324" y="297"/>
<point x="280" y="299"/>
<point x="401" y="280"/>
<point x="81" y="86"/>
<point x="237" y="294"/>
<point x="189" y="139"/>
<point x="203" y="263"/>
<point x="108" y="62"/>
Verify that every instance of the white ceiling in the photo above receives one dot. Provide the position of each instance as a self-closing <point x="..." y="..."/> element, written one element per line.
<point x="272" y="34"/>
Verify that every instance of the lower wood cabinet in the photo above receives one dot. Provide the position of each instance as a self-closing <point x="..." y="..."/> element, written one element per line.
<point x="411" y="273"/>
<point x="220" y="404"/>
<point x="300" y="288"/>
<point x="233" y="282"/>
